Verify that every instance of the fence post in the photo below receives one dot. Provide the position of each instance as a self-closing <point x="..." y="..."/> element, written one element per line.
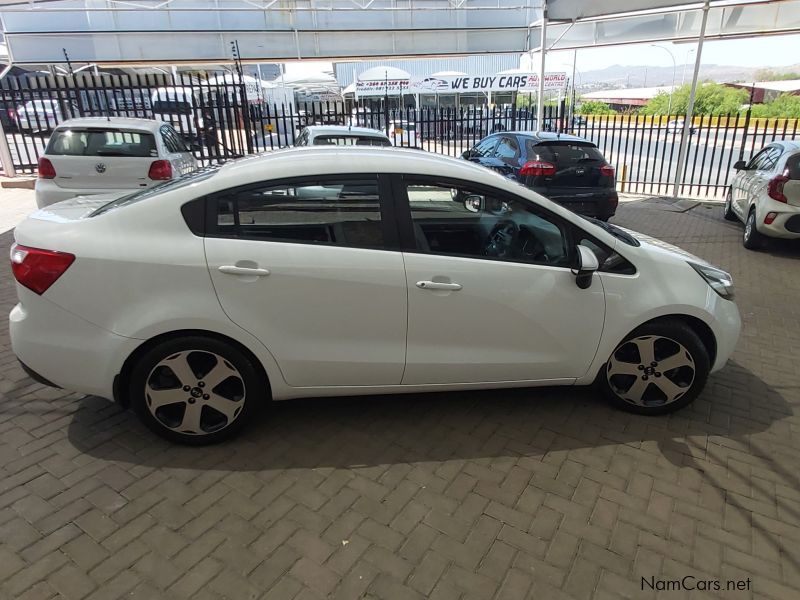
<point x="5" y="155"/>
<point x="746" y="127"/>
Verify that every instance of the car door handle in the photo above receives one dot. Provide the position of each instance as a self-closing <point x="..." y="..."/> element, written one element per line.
<point x="248" y="271"/>
<point x="438" y="285"/>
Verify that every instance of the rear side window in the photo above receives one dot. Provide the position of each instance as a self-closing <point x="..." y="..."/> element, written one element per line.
<point x="350" y="140"/>
<point x="793" y="166"/>
<point x="565" y="154"/>
<point x="335" y="211"/>
<point x="101" y="142"/>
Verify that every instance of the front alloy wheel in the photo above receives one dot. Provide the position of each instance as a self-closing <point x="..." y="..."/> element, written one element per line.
<point x="195" y="390"/>
<point x="659" y="368"/>
<point x="727" y="211"/>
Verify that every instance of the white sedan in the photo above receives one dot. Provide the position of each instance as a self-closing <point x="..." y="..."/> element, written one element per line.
<point x="198" y="301"/>
<point x="765" y="194"/>
<point x="98" y="155"/>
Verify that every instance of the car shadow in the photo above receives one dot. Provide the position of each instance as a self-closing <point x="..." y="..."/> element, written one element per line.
<point x="363" y="431"/>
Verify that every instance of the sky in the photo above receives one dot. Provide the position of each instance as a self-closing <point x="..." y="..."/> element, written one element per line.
<point x="767" y="51"/>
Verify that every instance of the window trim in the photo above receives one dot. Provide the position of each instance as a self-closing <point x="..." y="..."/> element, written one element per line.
<point x="385" y="204"/>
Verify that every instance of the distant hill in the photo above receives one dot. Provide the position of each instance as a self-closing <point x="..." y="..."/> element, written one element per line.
<point x="618" y="76"/>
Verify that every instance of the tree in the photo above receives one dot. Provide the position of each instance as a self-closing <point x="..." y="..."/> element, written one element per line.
<point x="770" y="75"/>
<point x="593" y="107"/>
<point x="711" y="98"/>
<point x="784" y="106"/>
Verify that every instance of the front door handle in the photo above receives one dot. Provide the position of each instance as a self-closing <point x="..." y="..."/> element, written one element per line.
<point x="438" y="285"/>
<point x="247" y="271"/>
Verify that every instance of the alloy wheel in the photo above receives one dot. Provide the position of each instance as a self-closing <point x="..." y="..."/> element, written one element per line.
<point x="195" y="392"/>
<point x="650" y="371"/>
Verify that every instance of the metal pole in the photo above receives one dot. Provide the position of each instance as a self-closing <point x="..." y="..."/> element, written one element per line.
<point x="687" y="122"/>
<point x="5" y="152"/>
<point x="572" y="104"/>
<point x="674" y="67"/>
<point x="543" y="50"/>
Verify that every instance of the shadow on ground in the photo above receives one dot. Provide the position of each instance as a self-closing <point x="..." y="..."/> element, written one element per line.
<point x="375" y="430"/>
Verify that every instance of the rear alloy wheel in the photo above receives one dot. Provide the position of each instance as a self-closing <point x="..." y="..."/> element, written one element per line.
<point x="659" y="368"/>
<point x="195" y="390"/>
<point x="727" y="211"/>
<point x="752" y="239"/>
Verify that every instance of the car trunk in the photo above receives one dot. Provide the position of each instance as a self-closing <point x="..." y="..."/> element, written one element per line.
<point x="578" y="169"/>
<point x="102" y="158"/>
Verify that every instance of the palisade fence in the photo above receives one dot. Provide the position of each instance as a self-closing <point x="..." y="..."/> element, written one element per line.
<point x="224" y="120"/>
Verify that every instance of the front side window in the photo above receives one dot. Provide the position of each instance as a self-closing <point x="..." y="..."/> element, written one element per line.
<point x="459" y="221"/>
<point x="485" y="147"/>
<point x="757" y="160"/>
<point x="101" y="142"/>
<point x="770" y="159"/>
<point x="339" y="212"/>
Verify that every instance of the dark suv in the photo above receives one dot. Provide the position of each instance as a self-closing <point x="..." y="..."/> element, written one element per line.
<point x="564" y="168"/>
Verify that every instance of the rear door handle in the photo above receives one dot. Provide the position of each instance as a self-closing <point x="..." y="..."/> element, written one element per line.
<point x="248" y="271"/>
<point x="438" y="285"/>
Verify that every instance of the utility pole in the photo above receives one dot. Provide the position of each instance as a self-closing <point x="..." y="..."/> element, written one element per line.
<point x="543" y="50"/>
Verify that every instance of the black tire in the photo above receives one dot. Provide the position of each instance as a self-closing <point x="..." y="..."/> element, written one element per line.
<point x="671" y="338"/>
<point x="751" y="238"/>
<point x="727" y="211"/>
<point x="242" y="383"/>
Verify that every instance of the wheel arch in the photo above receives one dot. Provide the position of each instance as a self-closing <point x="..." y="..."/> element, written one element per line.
<point x="123" y="377"/>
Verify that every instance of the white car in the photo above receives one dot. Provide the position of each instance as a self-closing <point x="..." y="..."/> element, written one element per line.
<point x="265" y="279"/>
<point x="43" y="114"/>
<point x="765" y="194"/>
<point x="403" y="133"/>
<point x="341" y="135"/>
<point x="676" y="126"/>
<point x="98" y="155"/>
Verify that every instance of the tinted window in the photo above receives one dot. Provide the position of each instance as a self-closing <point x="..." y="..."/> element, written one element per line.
<point x="350" y="140"/>
<point x="101" y="142"/>
<point x="172" y="140"/>
<point x="769" y="159"/>
<point x="757" y="159"/>
<point x="458" y="221"/>
<point x="302" y="139"/>
<point x="793" y="166"/>
<point x="485" y="147"/>
<point x="341" y="212"/>
<point x="564" y="155"/>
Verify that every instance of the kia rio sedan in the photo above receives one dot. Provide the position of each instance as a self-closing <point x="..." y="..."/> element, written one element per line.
<point x="198" y="301"/>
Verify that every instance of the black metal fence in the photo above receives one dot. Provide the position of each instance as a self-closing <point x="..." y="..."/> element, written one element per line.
<point x="224" y="118"/>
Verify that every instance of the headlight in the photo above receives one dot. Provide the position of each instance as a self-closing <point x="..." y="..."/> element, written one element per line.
<point x="720" y="281"/>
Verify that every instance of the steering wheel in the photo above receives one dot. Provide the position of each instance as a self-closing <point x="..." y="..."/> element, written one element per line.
<point x="501" y="239"/>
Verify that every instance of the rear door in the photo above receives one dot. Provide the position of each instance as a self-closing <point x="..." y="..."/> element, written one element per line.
<point x="310" y="267"/>
<point x="791" y="189"/>
<point x="102" y="157"/>
<point x="578" y="170"/>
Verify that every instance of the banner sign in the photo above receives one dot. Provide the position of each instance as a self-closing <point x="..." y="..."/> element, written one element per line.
<point x="457" y="84"/>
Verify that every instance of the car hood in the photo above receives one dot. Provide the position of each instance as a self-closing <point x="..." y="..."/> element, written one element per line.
<point x="655" y="246"/>
<point x="75" y="208"/>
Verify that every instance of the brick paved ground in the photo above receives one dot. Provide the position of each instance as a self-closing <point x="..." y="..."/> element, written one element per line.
<point x="532" y="493"/>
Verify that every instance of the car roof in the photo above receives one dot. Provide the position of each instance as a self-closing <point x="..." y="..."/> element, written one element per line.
<point x="151" y="125"/>
<point x="550" y="136"/>
<point x="316" y="130"/>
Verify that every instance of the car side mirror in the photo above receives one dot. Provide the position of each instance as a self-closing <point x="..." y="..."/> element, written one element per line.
<point x="467" y="154"/>
<point x="587" y="265"/>
<point x="474" y="203"/>
<point x="740" y="165"/>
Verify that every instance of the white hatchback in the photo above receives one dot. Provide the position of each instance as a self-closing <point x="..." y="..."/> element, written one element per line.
<point x="330" y="271"/>
<point x="98" y="155"/>
<point x="765" y="194"/>
<point x="341" y="135"/>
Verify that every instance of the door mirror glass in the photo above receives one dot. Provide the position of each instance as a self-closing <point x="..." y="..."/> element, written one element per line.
<point x="587" y="265"/>
<point x="467" y="154"/>
<point x="474" y="203"/>
<point x="740" y="165"/>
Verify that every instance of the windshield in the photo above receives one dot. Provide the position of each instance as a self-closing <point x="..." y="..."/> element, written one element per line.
<point x="350" y="140"/>
<point x="179" y="107"/>
<point x="101" y="142"/>
<point x="167" y="186"/>
<point x="618" y="233"/>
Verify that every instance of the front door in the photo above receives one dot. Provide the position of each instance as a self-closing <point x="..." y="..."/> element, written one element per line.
<point x="491" y="297"/>
<point x="303" y="265"/>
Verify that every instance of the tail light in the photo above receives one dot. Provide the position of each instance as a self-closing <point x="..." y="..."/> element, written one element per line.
<point x="537" y="168"/>
<point x="160" y="170"/>
<point x="775" y="188"/>
<point x="607" y="171"/>
<point x="38" y="269"/>
<point x="46" y="169"/>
